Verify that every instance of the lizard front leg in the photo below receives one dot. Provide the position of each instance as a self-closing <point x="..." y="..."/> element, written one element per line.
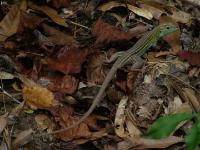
<point x="136" y="61"/>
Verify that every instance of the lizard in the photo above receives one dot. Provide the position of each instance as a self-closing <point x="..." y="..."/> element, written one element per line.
<point x="138" y="50"/>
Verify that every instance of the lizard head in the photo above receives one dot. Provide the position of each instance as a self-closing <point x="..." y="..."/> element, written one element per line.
<point x="165" y="29"/>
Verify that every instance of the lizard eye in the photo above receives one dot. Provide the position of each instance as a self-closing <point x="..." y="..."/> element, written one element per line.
<point x="168" y="28"/>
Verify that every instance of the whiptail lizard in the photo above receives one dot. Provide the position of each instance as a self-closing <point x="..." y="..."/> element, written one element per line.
<point x="139" y="49"/>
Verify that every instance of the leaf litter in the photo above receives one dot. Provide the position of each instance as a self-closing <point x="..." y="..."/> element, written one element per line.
<point x="47" y="53"/>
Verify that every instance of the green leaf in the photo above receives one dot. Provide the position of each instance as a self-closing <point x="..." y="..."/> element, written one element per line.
<point x="164" y="126"/>
<point x="29" y="111"/>
<point x="192" y="139"/>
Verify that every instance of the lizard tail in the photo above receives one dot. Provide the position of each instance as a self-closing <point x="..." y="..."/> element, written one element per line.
<point x="97" y="99"/>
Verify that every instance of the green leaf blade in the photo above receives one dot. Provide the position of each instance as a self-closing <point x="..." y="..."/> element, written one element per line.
<point x="164" y="126"/>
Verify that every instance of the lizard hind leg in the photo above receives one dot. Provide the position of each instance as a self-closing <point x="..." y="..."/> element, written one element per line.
<point x="114" y="57"/>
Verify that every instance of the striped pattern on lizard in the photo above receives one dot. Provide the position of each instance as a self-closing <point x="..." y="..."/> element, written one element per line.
<point x="139" y="49"/>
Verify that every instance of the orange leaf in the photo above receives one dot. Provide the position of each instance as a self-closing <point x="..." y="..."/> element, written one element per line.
<point x="38" y="97"/>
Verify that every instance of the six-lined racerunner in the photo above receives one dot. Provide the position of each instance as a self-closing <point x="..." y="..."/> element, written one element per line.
<point x="139" y="49"/>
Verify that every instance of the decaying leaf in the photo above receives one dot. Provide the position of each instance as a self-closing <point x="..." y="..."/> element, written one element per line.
<point x="22" y="138"/>
<point x="49" y="12"/>
<point x="141" y="12"/>
<point x="69" y="59"/>
<point x="59" y="38"/>
<point x="10" y="23"/>
<point x="67" y="84"/>
<point x="38" y="97"/>
<point x="107" y="33"/>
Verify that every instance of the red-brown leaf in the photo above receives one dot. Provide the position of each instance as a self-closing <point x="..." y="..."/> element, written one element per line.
<point x="67" y="84"/>
<point x="60" y="3"/>
<point x="69" y="60"/>
<point x="191" y="57"/>
<point x="107" y="33"/>
<point x="28" y="21"/>
<point x="64" y="116"/>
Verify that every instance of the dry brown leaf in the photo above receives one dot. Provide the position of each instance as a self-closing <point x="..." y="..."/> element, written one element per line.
<point x="67" y="84"/>
<point x="22" y="138"/>
<point x="154" y="11"/>
<point x="49" y="12"/>
<point x="3" y="122"/>
<point x="38" y="97"/>
<point x="10" y="23"/>
<point x="141" y="143"/>
<point x="157" y="9"/>
<point x="59" y="38"/>
<point x="112" y="4"/>
<point x="69" y="59"/>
